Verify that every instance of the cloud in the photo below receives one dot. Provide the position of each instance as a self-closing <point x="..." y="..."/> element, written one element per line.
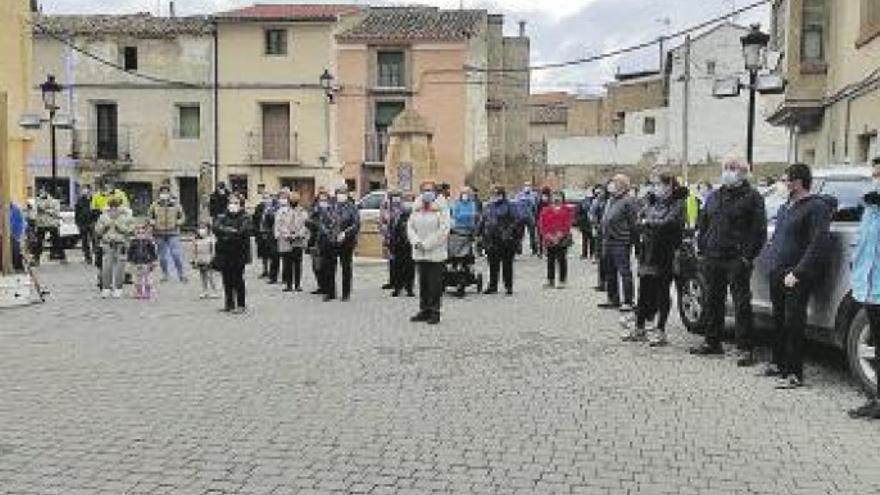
<point x="559" y="30"/>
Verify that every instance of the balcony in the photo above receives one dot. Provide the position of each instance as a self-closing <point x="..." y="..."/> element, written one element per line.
<point x="102" y="148"/>
<point x="271" y="148"/>
<point x="375" y="147"/>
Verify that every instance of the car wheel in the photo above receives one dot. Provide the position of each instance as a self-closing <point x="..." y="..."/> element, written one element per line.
<point x="692" y="303"/>
<point x="860" y="353"/>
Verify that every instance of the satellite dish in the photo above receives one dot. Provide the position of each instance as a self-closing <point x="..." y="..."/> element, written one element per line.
<point x="728" y="87"/>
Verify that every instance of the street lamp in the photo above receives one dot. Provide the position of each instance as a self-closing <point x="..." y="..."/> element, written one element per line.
<point x="326" y="81"/>
<point x="50" y="89"/>
<point x="754" y="52"/>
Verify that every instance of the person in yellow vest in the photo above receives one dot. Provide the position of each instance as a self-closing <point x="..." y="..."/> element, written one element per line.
<point x="100" y="201"/>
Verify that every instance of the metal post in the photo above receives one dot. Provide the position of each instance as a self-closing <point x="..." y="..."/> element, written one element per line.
<point x="54" y="190"/>
<point x="327" y="130"/>
<point x="685" y="151"/>
<point x="5" y="193"/>
<point x="750" y="140"/>
<point x="216" y="92"/>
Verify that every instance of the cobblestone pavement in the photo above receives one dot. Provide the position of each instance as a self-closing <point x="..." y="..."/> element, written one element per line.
<point x="529" y="394"/>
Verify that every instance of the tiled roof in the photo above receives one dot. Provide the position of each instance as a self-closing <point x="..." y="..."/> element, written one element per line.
<point x="142" y="25"/>
<point x="302" y="12"/>
<point x="415" y="24"/>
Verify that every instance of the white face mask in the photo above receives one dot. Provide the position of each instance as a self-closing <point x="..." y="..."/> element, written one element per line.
<point x="612" y="188"/>
<point x="729" y="177"/>
<point x="234" y="208"/>
<point x="203" y="233"/>
<point x="164" y="196"/>
<point x="342" y="198"/>
<point x="465" y="197"/>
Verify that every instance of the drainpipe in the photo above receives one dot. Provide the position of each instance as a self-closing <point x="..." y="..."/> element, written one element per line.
<point x="216" y="90"/>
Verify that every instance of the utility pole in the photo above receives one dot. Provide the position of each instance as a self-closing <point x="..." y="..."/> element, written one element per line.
<point x="686" y="111"/>
<point x="5" y="192"/>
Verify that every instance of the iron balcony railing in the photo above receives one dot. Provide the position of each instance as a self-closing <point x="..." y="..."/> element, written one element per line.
<point x="102" y="144"/>
<point x="271" y="148"/>
<point x="375" y="147"/>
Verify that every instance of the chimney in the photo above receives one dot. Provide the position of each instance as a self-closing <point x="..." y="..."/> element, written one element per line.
<point x="522" y="29"/>
<point x="171" y="12"/>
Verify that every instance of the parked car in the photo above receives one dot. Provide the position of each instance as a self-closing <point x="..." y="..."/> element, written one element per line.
<point x="369" y="206"/>
<point x="834" y="318"/>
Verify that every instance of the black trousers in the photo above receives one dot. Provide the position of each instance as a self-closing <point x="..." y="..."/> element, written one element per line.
<point x="87" y="239"/>
<point x="291" y="267"/>
<point x="57" y="250"/>
<point x="430" y="287"/>
<point x="337" y="257"/>
<point x="790" y="322"/>
<point x="737" y="276"/>
<point x="557" y="256"/>
<point x="403" y="273"/>
<point x="317" y="261"/>
<point x="274" y="266"/>
<point x="588" y="249"/>
<point x="500" y="261"/>
<point x="603" y="263"/>
<point x="655" y="300"/>
<point x="618" y="259"/>
<point x="873" y="311"/>
<point x="233" y="286"/>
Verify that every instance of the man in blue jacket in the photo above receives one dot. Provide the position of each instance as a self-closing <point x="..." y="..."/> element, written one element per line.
<point x="797" y="256"/>
<point x="338" y="234"/>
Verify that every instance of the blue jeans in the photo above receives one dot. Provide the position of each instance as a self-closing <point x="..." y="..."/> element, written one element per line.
<point x="619" y="272"/>
<point x="169" y="245"/>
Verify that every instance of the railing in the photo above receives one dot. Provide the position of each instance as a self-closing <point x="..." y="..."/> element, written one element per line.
<point x="271" y="148"/>
<point x="375" y="147"/>
<point x="102" y="145"/>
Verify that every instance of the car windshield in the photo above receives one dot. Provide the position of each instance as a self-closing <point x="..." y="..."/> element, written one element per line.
<point x="849" y="192"/>
<point x="372" y="201"/>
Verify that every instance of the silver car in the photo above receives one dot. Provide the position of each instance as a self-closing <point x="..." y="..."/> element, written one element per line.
<point x="833" y="317"/>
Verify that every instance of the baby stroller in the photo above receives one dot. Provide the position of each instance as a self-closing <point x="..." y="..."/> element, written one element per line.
<point x="460" y="272"/>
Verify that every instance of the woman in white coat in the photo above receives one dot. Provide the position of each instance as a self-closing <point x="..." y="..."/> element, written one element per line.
<point x="428" y="232"/>
<point x="292" y="232"/>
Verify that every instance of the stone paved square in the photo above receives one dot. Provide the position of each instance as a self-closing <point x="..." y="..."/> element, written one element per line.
<point x="533" y="393"/>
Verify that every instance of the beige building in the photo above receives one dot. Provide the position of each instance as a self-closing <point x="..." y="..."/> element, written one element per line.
<point x="136" y="105"/>
<point x="830" y="58"/>
<point x="446" y="66"/>
<point x="275" y="119"/>
<point x="16" y="82"/>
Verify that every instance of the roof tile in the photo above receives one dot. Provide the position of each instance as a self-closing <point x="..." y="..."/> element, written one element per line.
<point x="414" y="24"/>
<point x="143" y="25"/>
<point x="328" y="12"/>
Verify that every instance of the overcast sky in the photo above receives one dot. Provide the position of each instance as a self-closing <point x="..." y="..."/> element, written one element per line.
<point x="559" y="29"/>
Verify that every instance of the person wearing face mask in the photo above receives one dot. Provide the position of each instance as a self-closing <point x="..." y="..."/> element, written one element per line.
<point x="597" y="211"/>
<point x="731" y="232"/>
<point x="501" y="231"/>
<point x="797" y="255"/>
<point x="555" y="227"/>
<point x="866" y="282"/>
<point x="464" y="212"/>
<point x="529" y="200"/>
<point x="233" y="253"/>
<point x="339" y="228"/>
<point x="264" y="227"/>
<point x="100" y="201"/>
<point x="661" y="225"/>
<point x="316" y="212"/>
<point x="166" y="218"/>
<point x="114" y="228"/>
<point x="85" y="218"/>
<point x="47" y="219"/>
<point x="204" y="248"/>
<point x="619" y="235"/>
<point x="293" y="237"/>
<point x="428" y="233"/>
<point x="218" y="201"/>
<point x="403" y="268"/>
<point x="390" y="208"/>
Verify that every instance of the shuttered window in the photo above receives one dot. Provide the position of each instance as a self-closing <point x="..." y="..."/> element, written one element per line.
<point x="813" y="34"/>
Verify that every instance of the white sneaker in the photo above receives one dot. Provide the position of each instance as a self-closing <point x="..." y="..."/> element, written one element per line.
<point x="650" y="326"/>
<point x="117" y="293"/>
<point x="203" y="295"/>
<point x="626" y="308"/>
<point x="549" y="285"/>
<point x="105" y="293"/>
<point x="560" y="285"/>
<point x="626" y="322"/>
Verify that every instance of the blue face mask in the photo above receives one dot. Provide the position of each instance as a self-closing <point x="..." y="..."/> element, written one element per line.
<point x="729" y="177"/>
<point x="429" y="196"/>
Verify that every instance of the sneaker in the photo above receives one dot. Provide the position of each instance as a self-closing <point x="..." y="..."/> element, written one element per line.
<point x="183" y="279"/>
<point x="561" y="286"/>
<point x="707" y="350"/>
<point x="608" y="305"/>
<point x="746" y="359"/>
<point x="117" y="293"/>
<point x="105" y="293"/>
<point x="626" y="308"/>
<point x="163" y="279"/>
<point x="626" y="322"/>
<point x="203" y="295"/>
<point x="650" y="326"/>
<point x="433" y="319"/>
<point x="789" y="382"/>
<point x="870" y="410"/>
<point x="549" y="285"/>
<point x="636" y="335"/>
<point x="658" y="339"/>
<point x="387" y="286"/>
<point x="239" y="310"/>
<point x="419" y="318"/>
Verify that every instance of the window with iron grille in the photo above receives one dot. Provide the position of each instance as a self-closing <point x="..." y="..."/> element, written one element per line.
<point x="390" y="70"/>
<point x="276" y="42"/>
<point x="813" y="31"/>
<point x="188" y="122"/>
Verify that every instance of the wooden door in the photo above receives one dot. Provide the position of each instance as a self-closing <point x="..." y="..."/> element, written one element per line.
<point x="276" y="131"/>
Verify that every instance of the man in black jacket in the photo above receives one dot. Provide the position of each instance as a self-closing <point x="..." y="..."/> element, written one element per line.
<point x="218" y="201"/>
<point x="338" y="236"/>
<point x="85" y="219"/>
<point x="796" y="255"/>
<point x="619" y="236"/>
<point x="732" y="229"/>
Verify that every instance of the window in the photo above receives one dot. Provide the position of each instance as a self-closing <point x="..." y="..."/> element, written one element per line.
<point x="130" y="58"/>
<point x="276" y="42"/>
<point x="870" y="20"/>
<point x="813" y="35"/>
<point x="649" y="126"/>
<point x="188" y="122"/>
<point x="711" y="66"/>
<point x="390" y="70"/>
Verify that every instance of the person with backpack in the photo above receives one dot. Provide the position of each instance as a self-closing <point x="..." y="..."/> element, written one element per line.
<point x="501" y="231"/>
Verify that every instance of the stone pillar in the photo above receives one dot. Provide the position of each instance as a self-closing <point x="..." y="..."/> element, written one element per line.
<point x="410" y="159"/>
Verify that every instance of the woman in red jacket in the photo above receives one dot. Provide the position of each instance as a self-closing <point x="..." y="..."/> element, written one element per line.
<point x="555" y="226"/>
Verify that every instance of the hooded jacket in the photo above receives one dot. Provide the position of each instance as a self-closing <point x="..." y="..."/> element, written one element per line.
<point x="428" y="232"/>
<point x="464" y="215"/>
<point x="802" y="238"/>
<point x="114" y="226"/>
<point x="619" y="221"/>
<point x="732" y="224"/>
<point x="661" y="226"/>
<point x="866" y="257"/>
<point x="501" y="226"/>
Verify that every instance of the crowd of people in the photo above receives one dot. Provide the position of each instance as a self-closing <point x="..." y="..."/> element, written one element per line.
<point x="618" y="224"/>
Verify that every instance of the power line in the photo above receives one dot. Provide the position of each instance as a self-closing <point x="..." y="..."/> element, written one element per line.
<point x="629" y="49"/>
